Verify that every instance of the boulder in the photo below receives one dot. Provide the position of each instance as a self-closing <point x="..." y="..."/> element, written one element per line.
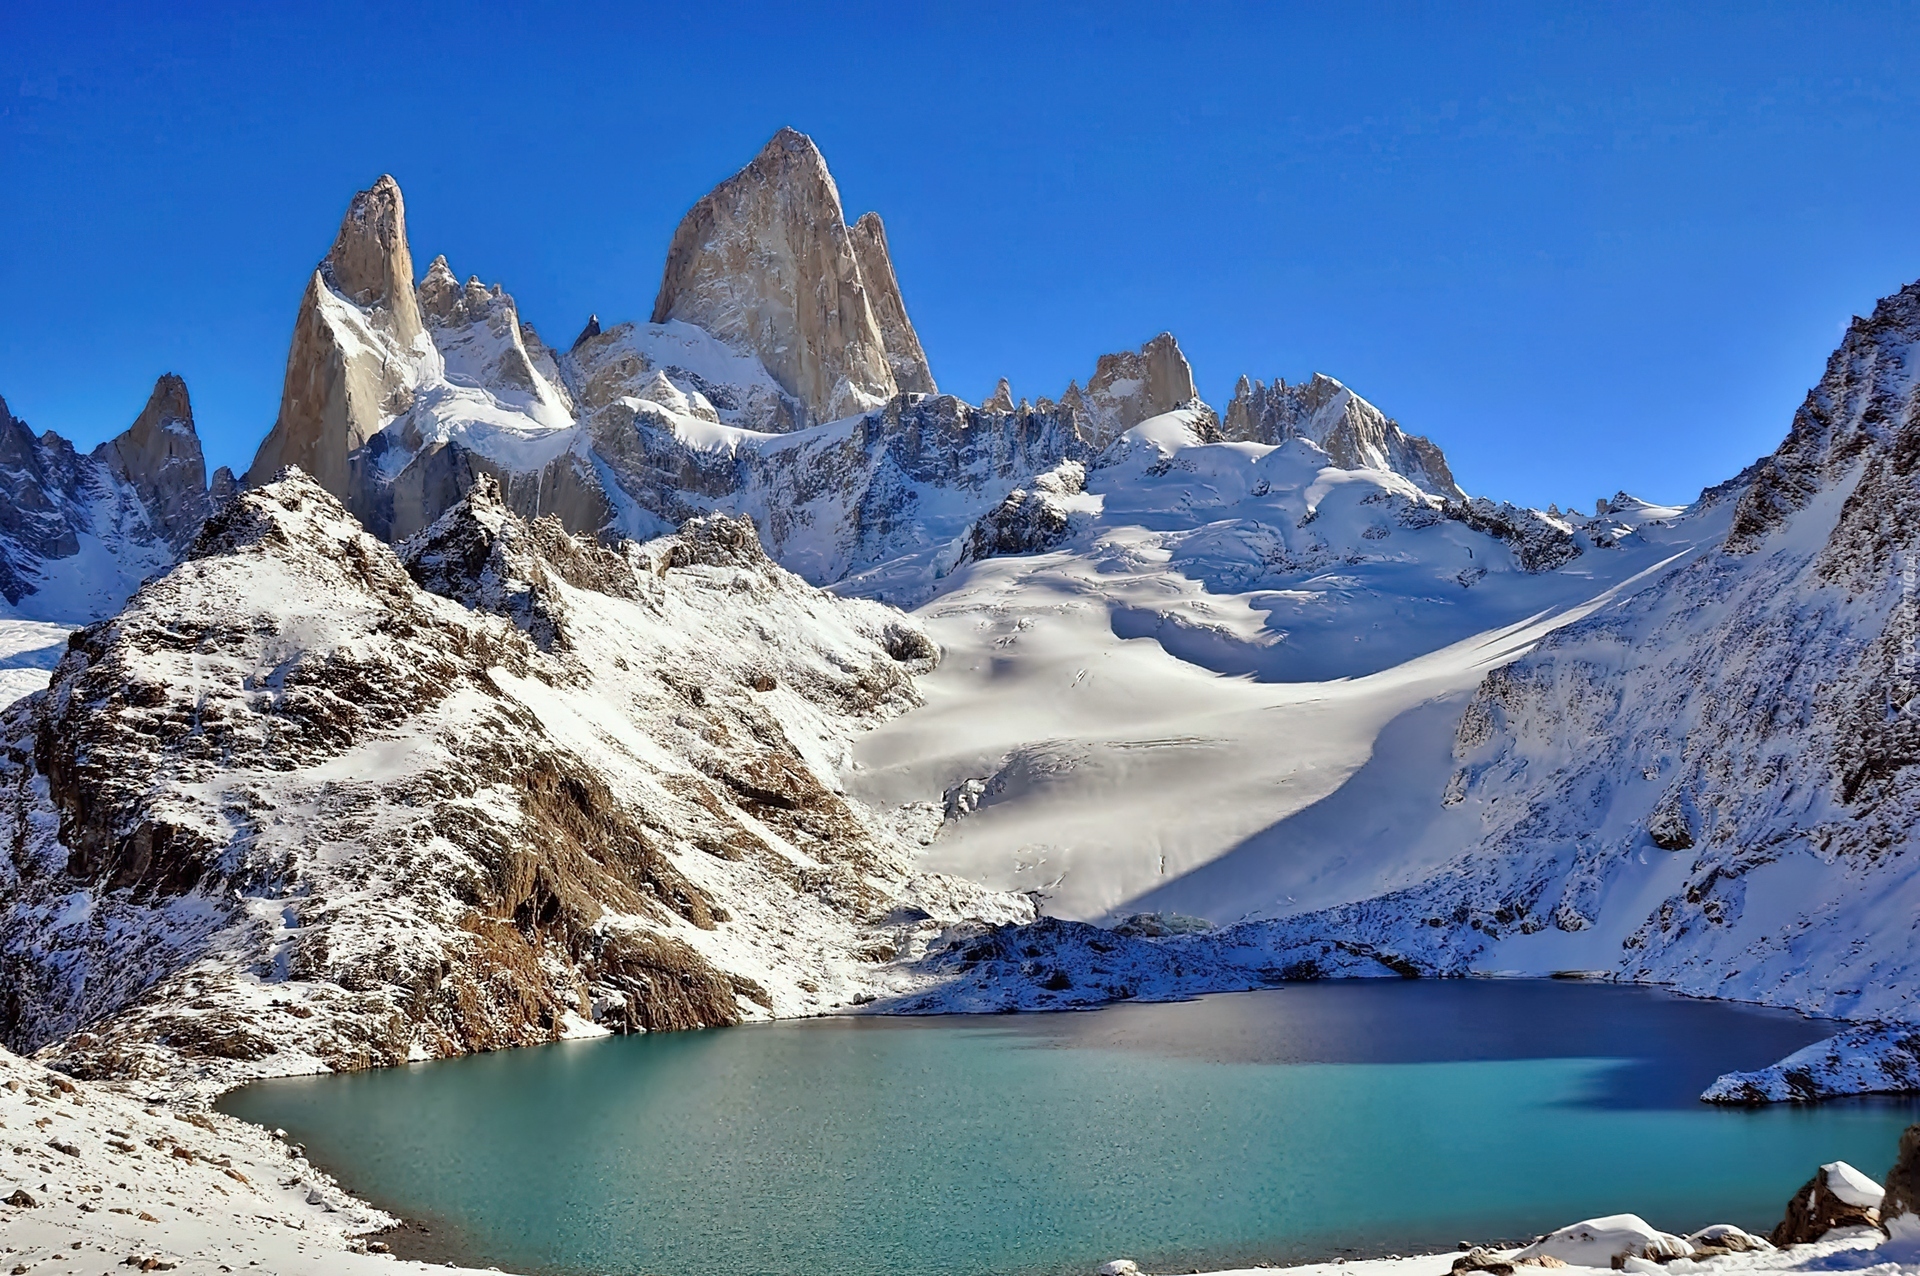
<point x="1480" y="1259"/>
<point x="1725" y="1238"/>
<point x="1837" y="1196"/>
<point x="1902" y="1190"/>
<point x="1606" y="1242"/>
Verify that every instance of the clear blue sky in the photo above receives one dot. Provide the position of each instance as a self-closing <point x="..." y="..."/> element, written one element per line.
<point x="1583" y="248"/>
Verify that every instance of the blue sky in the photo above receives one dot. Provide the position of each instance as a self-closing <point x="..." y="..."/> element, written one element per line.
<point x="1582" y="247"/>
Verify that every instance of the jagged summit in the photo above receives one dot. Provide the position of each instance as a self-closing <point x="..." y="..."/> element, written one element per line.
<point x="77" y="532"/>
<point x="353" y="361"/>
<point x="904" y="355"/>
<point x="587" y="333"/>
<point x="767" y="263"/>
<point x="1354" y="433"/>
<point x="159" y="456"/>
<point x="370" y="262"/>
<point x="1130" y="386"/>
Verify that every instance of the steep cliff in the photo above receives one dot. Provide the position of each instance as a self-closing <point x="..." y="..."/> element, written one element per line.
<point x="766" y="263"/>
<point x="359" y="350"/>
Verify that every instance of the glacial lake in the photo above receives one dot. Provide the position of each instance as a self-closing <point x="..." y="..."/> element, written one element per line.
<point x="1311" y="1121"/>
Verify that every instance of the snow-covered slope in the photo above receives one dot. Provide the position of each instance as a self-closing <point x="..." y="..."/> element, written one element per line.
<point x="99" y="1178"/>
<point x="1230" y="678"/>
<point x="306" y="804"/>
<point x="1700" y="770"/>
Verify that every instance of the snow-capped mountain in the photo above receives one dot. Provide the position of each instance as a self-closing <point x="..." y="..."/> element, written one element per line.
<point x="780" y="378"/>
<point x="516" y="708"/>
<point x="309" y="802"/>
<point x="1354" y="433"/>
<point x="1705" y="778"/>
<point x="78" y="532"/>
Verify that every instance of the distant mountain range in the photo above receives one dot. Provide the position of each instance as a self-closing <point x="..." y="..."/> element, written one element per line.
<point x="518" y="691"/>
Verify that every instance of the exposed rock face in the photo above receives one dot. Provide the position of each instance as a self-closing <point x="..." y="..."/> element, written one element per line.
<point x="358" y="346"/>
<point x="159" y="457"/>
<point x="1353" y="432"/>
<point x="400" y="840"/>
<point x="1031" y="520"/>
<point x="1540" y="542"/>
<point x="1836" y="1196"/>
<point x="141" y="495"/>
<point x="1131" y="386"/>
<point x="766" y="263"/>
<point x="1902" y="1188"/>
<point x="370" y="263"/>
<point x="904" y="355"/>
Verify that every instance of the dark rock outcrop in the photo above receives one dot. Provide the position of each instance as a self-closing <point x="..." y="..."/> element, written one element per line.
<point x="1902" y="1187"/>
<point x="1836" y="1196"/>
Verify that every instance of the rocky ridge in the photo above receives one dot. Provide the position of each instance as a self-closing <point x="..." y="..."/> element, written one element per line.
<point x="1354" y="433"/>
<point x="78" y="532"/>
<point x="775" y="318"/>
<point x="577" y="790"/>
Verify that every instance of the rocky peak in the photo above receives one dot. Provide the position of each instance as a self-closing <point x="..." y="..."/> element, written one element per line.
<point x="370" y="263"/>
<point x="159" y="457"/>
<point x="1354" y="434"/>
<point x="1862" y="410"/>
<point x="587" y="333"/>
<point x="904" y="355"/>
<point x="477" y="330"/>
<point x="1133" y="385"/>
<point x="357" y="349"/>
<point x="1001" y="400"/>
<point x="767" y="264"/>
<point x="483" y="556"/>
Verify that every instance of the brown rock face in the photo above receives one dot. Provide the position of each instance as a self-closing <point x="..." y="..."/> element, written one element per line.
<point x="767" y="263"/>
<point x="159" y="456"/>
<point x="348" y="370"/>
<point x="904" y="355"/>
<point x="370" y="262"/>
<point x="1133" y="385"/>
<point x="1903" y="1180"/>
<point x="1817" y="1209"/>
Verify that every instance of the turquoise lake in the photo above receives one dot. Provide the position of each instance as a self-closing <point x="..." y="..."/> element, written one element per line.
<point x="1304" y="1122"/>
